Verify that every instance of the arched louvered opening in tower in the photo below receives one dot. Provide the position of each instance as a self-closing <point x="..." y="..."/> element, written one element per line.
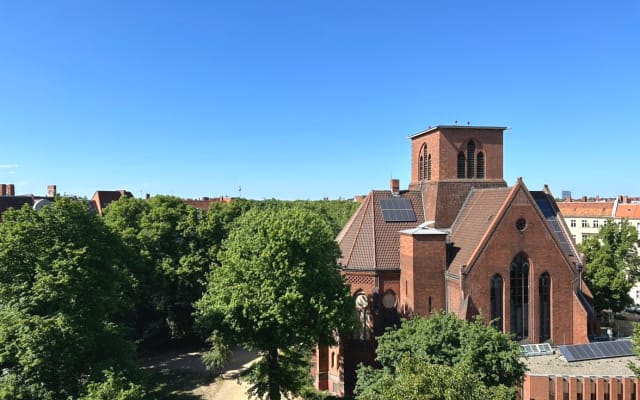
<point x="425" y="173"/>
<point x="461" y="165"/>
<point x="429" y="167"/>
<point x="480" y="166"/>
<point x="422" y="163"/>
<point x="471" y="155"/>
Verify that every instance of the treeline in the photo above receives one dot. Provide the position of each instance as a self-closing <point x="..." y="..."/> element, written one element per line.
<point x="80" y="295"/>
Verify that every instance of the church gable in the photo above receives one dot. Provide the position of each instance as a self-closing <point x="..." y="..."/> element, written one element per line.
<point x="528" y="222"/>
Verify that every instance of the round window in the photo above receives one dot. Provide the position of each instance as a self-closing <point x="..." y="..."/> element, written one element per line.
<point x="521" y="224"/>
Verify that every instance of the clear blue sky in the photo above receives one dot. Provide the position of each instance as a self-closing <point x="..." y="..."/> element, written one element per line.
<point x="306" y="99"/>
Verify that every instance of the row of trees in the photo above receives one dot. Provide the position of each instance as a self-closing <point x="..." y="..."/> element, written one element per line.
<point x="77" y="291"/>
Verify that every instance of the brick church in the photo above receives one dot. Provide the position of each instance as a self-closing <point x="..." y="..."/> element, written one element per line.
<point x="458" y="239"/>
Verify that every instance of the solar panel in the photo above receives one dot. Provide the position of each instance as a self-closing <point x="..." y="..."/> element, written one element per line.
<point x="550" y="215"/>
<point x="532" y="350"/>
<point x="397" y="210"/>
<point x="597" y="350"/>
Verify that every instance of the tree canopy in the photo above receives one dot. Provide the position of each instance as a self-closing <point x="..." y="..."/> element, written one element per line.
<point x="443" y="340"/>
<point x="61" y="285"/>
<point x="277" y="290"/>
<point x="611" y="264"/>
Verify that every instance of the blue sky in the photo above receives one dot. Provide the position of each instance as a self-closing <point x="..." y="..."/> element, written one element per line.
<point x="307" y="99"/>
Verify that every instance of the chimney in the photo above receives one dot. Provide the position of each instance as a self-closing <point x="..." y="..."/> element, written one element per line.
<point x="147" y="196"/>
<point x="584" y="199"/>
<point x="3" y="189"/>
<point x="598" y="198"/>
<point x="625" y="199"/>
<point x="51" y="191"/>
<point x="11" y="189"/>
<point x="395" y="186"/>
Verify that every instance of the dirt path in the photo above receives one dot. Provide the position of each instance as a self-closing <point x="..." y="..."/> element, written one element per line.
<point x="180" y="374"/>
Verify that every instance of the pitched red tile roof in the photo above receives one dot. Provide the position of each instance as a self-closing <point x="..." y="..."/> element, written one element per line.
<point x="625" y="210"/>
<point x="102" y="198"/>
<point x="473" y="220"/>
<point x="590" y="209"/>
<point x="367" y="241"/>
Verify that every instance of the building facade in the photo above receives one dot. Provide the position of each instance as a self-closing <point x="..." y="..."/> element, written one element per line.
<point x="459" y="239"/>
<point x="585" y="217"/>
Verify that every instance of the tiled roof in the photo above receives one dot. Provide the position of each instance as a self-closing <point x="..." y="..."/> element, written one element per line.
<point x="473" y="221"/>
<point x="589" y="209"/>
<point x="102" y="198"/>
<point x="625" y="210"/>
<point x="367" y="241"/>
<point x="14" y="202"/>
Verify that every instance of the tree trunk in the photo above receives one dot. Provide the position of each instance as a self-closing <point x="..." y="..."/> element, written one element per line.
<point x="273" y="374"/>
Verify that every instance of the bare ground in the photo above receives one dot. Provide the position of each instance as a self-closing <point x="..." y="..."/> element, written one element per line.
<point x="179" y="374"/>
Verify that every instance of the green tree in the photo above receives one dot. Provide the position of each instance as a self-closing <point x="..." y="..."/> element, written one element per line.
<point x="611" y="264"/>
<point x="61" y="285"/>
<point x="278" y="290"/>
<point x="171" y="247"/>
<point x="417" y="380"/>
<point x="445" y="340"/>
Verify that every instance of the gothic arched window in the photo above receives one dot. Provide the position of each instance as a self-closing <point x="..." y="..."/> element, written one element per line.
<point x="422" y="163"/>
<point x="519" y="296"/>
<point x="461" y="165"/>
<point x="480" y="167"/>
<point x="471" y="157"/>
<point x="429" y="167"/>
<point x="544" y="291"/>
<point x="496" y="302"/>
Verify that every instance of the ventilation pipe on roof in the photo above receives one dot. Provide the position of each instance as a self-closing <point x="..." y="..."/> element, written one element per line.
<point x="395" y="186"/>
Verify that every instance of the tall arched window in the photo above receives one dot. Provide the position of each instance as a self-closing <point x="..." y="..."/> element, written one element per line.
<point x="544" y="289"/>
<point x="480" y="168"/>
<point x="429" y="167"/>
<point x="471" y="157"/>
<point x="496" y="302"/>
<point x="425" y="165"/>
<point x="519" y="296"/>
<point x="461" y="164"/>
<point x="421" y="160"/>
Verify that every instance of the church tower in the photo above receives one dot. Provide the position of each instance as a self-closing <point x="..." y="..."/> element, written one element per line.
<point x="448" y="160"/>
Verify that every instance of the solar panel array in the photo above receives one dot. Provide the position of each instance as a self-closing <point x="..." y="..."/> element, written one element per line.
<point x="552" y="218"/>
<point x="597" y="350"/>
<point x="531" y="350"/>
<point x="397" y="210"/>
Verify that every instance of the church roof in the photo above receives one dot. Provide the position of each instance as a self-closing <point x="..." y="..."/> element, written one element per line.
<point x="368" y="242"/>
<point x="474" y="219"/>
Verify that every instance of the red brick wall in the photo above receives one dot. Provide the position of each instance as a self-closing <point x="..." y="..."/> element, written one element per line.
<point x="445" y="144"/>
<point x="536" y="242"/>
<point x="422" y="266"/>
